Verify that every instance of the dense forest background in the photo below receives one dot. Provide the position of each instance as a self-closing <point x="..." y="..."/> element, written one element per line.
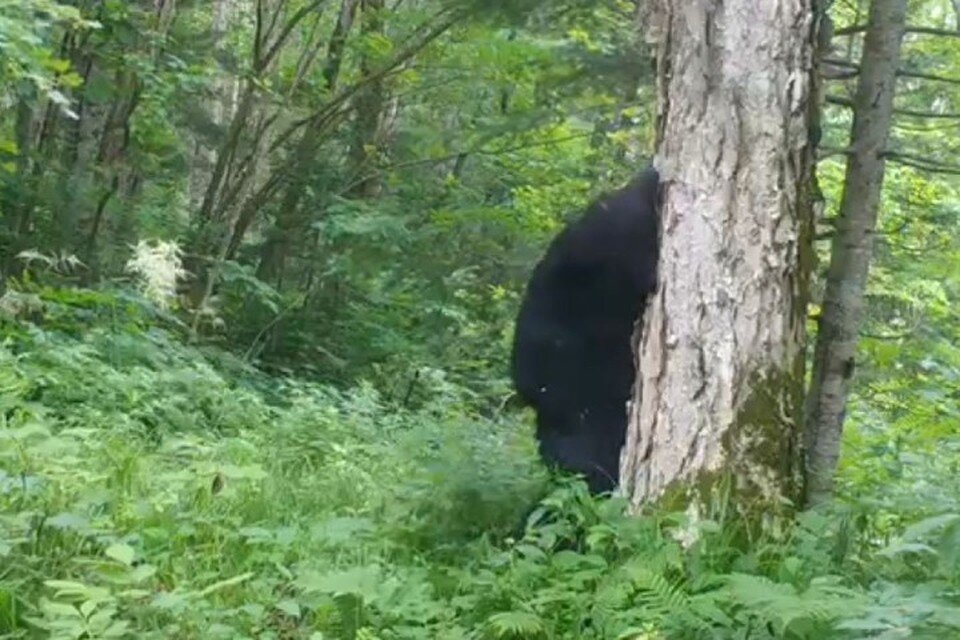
<point x="261" y="260"/>
<point x="357" y="191"/>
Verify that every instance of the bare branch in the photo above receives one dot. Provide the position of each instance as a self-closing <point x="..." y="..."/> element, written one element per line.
<point x="257" y="33"/>
<point x="913" y="160"/>
<point x="824" y="152"/>
<point x="922" y="163"/>
<point x="338" y="41"/>
<point x="840" y="62"/>
<point x="330" y="110"/>
<point x="839" y="75"/>
<point x="913" y="113"/>
<point x="927" y="127"/>
<point x="287" y="29"/>
<point x="929" y="31"/>
<point x="307" y="58"/>
<point x="268" y="33"/>
<point x="927" y="76"/>
<point x="480" y="151"/>
<point x="901" y="73"/>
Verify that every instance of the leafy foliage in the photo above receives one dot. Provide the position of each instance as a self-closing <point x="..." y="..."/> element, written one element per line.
<point x="153" y="489"/>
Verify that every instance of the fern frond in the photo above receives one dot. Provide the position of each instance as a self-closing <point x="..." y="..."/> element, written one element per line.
<point x="516" y="624"/>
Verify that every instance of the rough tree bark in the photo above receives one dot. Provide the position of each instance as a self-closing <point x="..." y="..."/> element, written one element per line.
<point x="720" y="354"/>
<point x="843" y="303"/>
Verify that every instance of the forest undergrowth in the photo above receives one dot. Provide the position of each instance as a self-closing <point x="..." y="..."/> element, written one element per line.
<point x="153" y="489"/>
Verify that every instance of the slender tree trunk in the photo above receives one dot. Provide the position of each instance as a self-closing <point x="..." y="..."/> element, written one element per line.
<point x="721" y="352"/>
<point x="238" y="160"/>
<point x="843" y="304"/>
<point x="289" y="226"/>
<point x="16" y="200"/>
<point x="371" y="116"/>
<point x="220" y="106"/>
<point x="290" y="220"/>
<point x="111" y="158"/>
<point x="76" y="171"/>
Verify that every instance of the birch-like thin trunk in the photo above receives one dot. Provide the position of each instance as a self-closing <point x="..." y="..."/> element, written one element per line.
<point x="219" y="106"/>
<point x="843" y="303"/>
<point x="719" y="390"/>
<point x="291" y="221"/>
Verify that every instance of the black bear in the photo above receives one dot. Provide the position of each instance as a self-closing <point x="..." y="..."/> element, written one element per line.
<point x="572" y="357"/>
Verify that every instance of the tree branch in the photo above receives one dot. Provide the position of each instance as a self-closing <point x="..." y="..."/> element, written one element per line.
<point x="828" y="152"/>
<point x="901" y="73"/>
<point x="913" y="113"/>
<point x="480" y="151"/>
<point x="929" y="31"/>
<point x="927" y="127"/>
<point x="287" y="29"/>
<point x="908" y="159"/>
<point x="919" y="162"/>
<point x="257" y="33"/>
<point x="330" y="110"/>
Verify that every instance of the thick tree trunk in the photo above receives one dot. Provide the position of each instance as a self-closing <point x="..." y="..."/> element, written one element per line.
<point x="843" y="303"/>
<point x="720" y="384"/>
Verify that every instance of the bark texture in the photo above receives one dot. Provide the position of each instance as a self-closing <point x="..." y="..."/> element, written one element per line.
<point x="721" y="352"/>
<point x="843" y="304"/>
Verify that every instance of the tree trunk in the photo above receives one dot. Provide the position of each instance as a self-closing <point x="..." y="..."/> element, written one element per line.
<point x="721" y="352"/>
<point x="112" y="159"/>
<point x="291" y="221"/>
<point x="16" y="200"/>
<point x="219" y="106"/>
<point x="371" y="122"/>
<point x="843" y="303"/>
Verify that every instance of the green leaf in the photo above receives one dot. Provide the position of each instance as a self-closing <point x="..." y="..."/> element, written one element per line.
<point x="516" y="623"/>
<point x="229" y="582"/>
<point x="122" y="553"/>
<point x="70" y="521"/>
<point x="359" y="581"/>
<point x="289" y="607"/>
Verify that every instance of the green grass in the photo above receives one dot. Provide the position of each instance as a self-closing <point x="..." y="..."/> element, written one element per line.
<point x="149" y="489"/>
